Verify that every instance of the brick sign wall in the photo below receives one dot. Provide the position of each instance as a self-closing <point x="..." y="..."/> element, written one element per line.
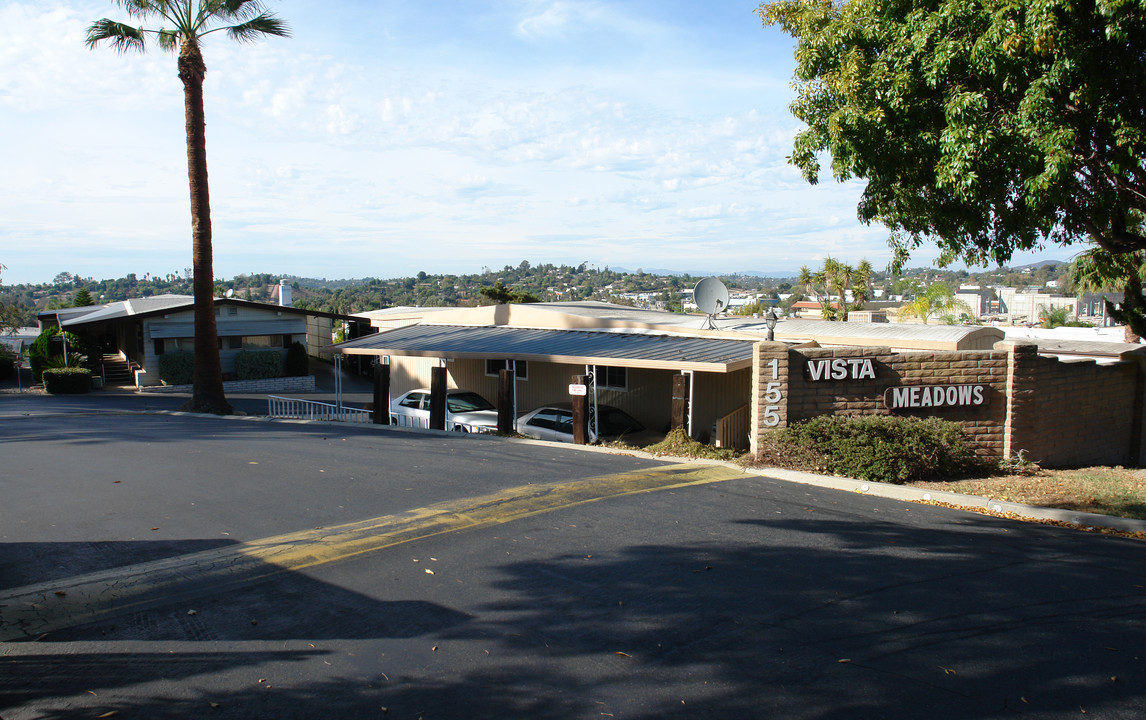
<point x="1007" y="399"/>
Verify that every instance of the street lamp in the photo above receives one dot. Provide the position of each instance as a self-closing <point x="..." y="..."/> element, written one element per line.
<point x="770" y="321"/>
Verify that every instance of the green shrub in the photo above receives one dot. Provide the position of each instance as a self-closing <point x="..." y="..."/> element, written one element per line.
<point x="879" y="448"/>
<point x="7" y="362"/>
<point x="64" y="381"/>
<point x="45" y="353"/>
<point x="177" y="368"/>
<point x="297" y="363"/>
<point x="258" y="364"/>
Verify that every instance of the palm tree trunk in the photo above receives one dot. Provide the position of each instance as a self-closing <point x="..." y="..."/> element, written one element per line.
<point x="207" y="391"/>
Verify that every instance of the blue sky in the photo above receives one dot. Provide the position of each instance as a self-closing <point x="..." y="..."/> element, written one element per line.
<point x="387" y="137"/>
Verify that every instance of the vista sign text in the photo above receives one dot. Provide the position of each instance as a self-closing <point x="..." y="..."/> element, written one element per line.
<point x="841" y="369"/>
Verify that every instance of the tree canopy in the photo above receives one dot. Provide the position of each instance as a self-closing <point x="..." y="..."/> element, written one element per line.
<point x="984" y="126"/>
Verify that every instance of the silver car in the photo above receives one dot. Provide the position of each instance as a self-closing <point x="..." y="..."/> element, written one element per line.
<point x="555" y="422"/>
<point x="466" y="411"/>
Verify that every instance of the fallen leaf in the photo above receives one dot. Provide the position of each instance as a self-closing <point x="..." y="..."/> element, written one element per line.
<point x="949" y="671"/>
<point x="109" y="713"/>
<point x="213" y="704"/>
<point x="61" y="593"/>
<point x="434" y="649"/>
<point x="624" y="654"/>
<point x="155" y="528"/>
<point x="429" y="571"/>
<point x="113" y="482"/>
<point x="252" y="462"/>
<point x="92" y="694"/>
<point x="192" y="612"/>
<point x="844" y="660"/>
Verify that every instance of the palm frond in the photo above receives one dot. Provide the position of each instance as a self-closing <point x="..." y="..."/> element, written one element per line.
<point x="121" y="36"/>
<point x="143" y="9"/>
<point x="168" y="40"/>
<point x="257" y="27"/>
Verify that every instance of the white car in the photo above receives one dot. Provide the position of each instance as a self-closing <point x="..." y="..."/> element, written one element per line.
<point x="555" y="422"/>
<point x="466" y="411"/>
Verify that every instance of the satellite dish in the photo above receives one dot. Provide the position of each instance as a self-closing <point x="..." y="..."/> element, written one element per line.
<point x="711" y="296"/>
<point x="230" y="292"/>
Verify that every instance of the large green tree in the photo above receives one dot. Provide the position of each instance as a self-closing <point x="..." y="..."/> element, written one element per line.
<point x="184" y="24"/>
<point x="985" y="126"/>
<point x="1097" y="270"/>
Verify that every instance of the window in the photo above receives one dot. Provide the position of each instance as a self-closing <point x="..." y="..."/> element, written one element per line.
<point x="413" y="400"/>
<point x="232" y="310"/>
<point x="263" y="341"/>
<point x="612" y="378"/>
<point x="546" y="419"/>
<point x="493" y="367"/>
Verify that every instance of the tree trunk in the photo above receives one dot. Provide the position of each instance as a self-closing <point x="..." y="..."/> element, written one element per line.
<point x="207" y="391"/>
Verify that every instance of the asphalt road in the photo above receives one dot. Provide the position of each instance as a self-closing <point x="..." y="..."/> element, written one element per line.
<point x="163" y="566"/>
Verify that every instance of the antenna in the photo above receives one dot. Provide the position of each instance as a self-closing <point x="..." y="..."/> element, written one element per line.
<point x="711" y="296"/>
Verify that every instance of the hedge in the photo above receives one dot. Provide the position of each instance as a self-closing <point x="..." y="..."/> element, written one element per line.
<point x="64" y="381"/>
<point x="177" y="368"/>
<point x="879" y="448"/>
<point x="258" y="364"/>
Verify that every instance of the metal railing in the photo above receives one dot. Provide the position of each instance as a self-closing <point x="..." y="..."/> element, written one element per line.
<point x="294" y="408"/>
<point x="423" y="423"/>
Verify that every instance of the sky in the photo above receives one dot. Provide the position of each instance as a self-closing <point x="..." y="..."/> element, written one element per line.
<point x="388" y="137"/>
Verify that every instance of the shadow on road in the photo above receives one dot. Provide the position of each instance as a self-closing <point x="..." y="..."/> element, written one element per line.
<point x="824" y="618"/>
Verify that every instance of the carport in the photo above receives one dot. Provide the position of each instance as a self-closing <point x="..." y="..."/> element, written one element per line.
<point x="717" y="366"/>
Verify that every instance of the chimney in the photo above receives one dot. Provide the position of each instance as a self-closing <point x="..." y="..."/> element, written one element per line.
<point x="284" y="293"/>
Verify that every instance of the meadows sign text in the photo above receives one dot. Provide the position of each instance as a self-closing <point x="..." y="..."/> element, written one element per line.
<point x="934" y="396"/>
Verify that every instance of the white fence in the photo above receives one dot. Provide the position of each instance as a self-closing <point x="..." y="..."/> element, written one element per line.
<point x="281" y="407"/>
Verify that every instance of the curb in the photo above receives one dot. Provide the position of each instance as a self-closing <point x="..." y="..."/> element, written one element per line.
<point x="910" y="494"/>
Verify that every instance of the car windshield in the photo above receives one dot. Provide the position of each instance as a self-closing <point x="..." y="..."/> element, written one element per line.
<point x="467" y="402"/>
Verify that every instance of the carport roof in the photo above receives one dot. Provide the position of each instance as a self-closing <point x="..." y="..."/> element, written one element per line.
<point x="591" y="347"/>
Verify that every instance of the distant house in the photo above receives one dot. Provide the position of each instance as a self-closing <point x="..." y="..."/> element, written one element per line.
<point x="140" y="330"/>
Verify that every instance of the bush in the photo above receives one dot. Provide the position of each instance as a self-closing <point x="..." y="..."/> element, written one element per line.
<point x="879" y="448"/>
<point x="44" y="353"/>
<point x="7" y="363"/>
<point x="177" y="368"/>
<point x="258" y="364"/>
<point x="297" y="363"/>
<point x="64" y="381"/>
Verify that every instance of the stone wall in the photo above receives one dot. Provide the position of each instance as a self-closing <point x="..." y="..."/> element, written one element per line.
<point x="1008" y="399"/>
<point x="304" y="383"/>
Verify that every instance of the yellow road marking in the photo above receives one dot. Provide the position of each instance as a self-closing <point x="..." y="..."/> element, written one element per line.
<point x="32" y="610"/>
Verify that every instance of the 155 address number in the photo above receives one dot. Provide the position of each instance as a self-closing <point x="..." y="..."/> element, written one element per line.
<point x="773" y="394"/>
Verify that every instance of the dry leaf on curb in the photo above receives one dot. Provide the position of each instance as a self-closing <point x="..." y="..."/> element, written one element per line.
<point x="109" y="713"/>
<point x="624" y="654"/>
<point x="844" y="660"/>
<point x="429" y="571"/>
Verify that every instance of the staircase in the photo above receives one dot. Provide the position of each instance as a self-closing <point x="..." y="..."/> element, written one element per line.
<point x="117" y="371"/>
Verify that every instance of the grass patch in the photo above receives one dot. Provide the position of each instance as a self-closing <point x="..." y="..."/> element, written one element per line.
<point x="1116" y="491"/>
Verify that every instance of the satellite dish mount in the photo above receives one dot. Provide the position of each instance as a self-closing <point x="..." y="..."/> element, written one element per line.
<point x="711" y="296"/>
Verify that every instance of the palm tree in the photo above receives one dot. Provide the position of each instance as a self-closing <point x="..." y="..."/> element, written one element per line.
<point x="937" y="299"/>
<point x="186" y="23"/>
